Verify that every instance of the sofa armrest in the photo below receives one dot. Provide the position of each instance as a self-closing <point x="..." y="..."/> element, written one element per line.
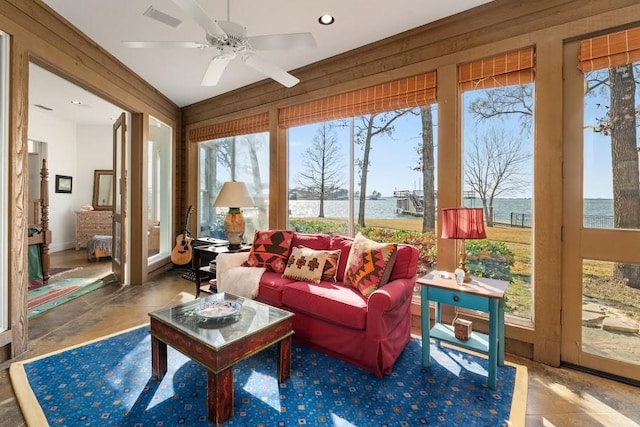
<point x="388" y="305"/>
<point x="391" y="295"/>
<point x="225" y="261"/>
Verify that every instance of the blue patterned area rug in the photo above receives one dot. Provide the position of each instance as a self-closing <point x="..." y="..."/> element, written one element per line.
<point x="108" y="383"/>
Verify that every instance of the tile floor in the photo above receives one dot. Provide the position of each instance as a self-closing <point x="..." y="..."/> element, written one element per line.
<point x="556" y="396"/>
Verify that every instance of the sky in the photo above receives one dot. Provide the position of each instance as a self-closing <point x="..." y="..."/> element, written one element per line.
<point x="392" y="158"/>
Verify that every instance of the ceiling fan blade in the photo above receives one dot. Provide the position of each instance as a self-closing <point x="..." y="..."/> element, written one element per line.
<point x="215" y="70"/>
<point x="270" y="70"/>
<point x="192" y="9"/>
<point x="283" y="41"/>
<point x="165" y="44"/>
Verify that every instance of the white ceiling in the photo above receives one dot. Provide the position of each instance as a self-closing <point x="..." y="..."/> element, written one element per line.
<point x="177" y="73"/>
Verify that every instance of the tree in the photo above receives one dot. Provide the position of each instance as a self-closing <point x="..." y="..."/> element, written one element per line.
<point x="493" y="166"/>
<point x="322" y="172"/>
<point x="620" y="124"/>
<point x="366" y="128"/>
<point x="426" y="165"/>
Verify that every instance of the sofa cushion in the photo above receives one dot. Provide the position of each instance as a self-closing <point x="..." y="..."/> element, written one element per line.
<point x="270" y="249"/>
<point x="331" y="266"/>
<point x="329" y="302"/>
<point x="313" y="241"/>
<point x="369" y="264"/>
<point x="343" y="244"/>
<point x="305" y="264"/>
<point x="271" y="287"/>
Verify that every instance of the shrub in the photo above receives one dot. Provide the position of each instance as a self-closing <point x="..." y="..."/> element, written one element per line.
<point x="489" y="258"/>
<point x="424" y="242"/>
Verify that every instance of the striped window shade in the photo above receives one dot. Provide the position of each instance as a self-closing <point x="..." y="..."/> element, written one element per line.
<point x="610" y="50"/>
<point x="463" y="223"/>
<point x="409" y="92"/>
<point x="511" y="68"/>
<point x="242" y="126"/>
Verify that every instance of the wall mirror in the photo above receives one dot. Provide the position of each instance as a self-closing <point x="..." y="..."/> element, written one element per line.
<point x="102" y="190"/>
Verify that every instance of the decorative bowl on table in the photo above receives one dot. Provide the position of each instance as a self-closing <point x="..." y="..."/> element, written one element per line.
<point x="218" y="310"/>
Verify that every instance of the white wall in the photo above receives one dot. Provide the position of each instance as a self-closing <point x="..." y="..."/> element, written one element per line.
<point x="74" y="151"/>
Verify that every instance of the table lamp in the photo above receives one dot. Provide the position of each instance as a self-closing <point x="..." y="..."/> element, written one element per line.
<point x="234" y="195"/>
<point x="462" y="224"/>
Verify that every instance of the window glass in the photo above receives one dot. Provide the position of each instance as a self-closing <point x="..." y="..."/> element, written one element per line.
<point x="242" y="158"/>
<point x="610" y="311"/>
<point x="366" y="174"/>
<point x="159" y="176"/>
<point x="498" y="176"/>
<point x="611" y="186"/>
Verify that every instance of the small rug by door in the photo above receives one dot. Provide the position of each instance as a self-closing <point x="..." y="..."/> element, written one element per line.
<point x="55" y="294"/>
<point x="108" y="382"/>
<point x="53" y="273"/>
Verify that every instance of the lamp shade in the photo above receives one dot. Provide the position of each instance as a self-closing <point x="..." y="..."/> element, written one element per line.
<point x="233" y="194"/>
<point x="463" y="223"/>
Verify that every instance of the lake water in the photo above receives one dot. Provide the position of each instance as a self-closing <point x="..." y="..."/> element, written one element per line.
<point x="386" y="208"/>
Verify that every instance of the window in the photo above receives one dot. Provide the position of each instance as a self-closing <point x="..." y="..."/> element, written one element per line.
<point x="159" y="189"/>
<point x="237" y="158"/>
<point x="497" y="124"/>
<point x="356" y="162"/>
<point x="4" y="184"/>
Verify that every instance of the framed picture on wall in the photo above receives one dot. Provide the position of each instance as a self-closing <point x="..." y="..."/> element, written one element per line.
<point x="63" y="184"/>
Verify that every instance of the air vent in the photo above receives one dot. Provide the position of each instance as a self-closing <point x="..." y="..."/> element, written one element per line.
<point x="162" y="17"/>
<point x="43" y="107"/>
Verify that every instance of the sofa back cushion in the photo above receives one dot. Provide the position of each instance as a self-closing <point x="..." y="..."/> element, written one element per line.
<point x="270" y="249"/>
<point x="312" y="241"/>
<point x="406" y="264"/>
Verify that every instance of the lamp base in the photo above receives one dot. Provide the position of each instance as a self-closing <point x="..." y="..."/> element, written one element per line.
<point x="234" y="227"/>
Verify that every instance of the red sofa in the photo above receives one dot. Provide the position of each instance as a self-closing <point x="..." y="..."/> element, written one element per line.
<point x="337" y="320"/>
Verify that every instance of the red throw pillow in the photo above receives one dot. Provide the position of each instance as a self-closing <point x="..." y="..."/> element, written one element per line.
<point x="369" y="264"/>
<point x="270" y="249"/>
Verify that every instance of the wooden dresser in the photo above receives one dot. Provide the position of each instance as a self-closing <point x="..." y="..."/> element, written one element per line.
<point x="92" y="223"/>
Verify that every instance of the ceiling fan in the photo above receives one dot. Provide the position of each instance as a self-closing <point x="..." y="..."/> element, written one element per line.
<point x="230" y="40"/>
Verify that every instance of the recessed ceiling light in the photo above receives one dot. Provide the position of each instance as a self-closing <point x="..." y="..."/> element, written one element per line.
<point x="76" y="102"/>
<point x="326" y="19"/>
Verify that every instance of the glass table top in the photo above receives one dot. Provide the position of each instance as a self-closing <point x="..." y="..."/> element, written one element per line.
<point x="220" y="319"/>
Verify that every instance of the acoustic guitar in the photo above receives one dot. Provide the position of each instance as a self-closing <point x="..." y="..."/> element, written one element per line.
<point x="182" y="252"/>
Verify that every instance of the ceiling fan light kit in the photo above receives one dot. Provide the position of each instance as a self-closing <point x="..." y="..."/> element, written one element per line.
<point x="230" y="40"/>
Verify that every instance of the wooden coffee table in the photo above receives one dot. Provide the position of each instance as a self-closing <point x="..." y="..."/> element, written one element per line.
<point x="218" y="343"/>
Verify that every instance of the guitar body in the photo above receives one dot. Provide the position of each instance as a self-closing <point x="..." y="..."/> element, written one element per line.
<point x="182" y="252"/>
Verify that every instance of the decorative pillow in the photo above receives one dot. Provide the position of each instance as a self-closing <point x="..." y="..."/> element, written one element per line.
<point x="331" y="266"/>
<point x="369" y="265"/>
<point x="305" y="265"/>
<point x="270" y="249"/>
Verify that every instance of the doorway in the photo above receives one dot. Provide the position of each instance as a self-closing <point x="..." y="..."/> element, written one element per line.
<point x="601" y="273"/>
<point x="72" y="129"/>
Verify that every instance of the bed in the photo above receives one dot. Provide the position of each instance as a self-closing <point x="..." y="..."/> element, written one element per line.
<point x="39" y="235"/>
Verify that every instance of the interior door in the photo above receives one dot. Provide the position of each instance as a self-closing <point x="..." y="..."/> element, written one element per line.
<point x="120" y="197"/>
<point x="601" y="221"/>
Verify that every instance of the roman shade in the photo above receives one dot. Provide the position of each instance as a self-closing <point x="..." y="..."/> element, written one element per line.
<point x="242" y="126"/>
<point x="408" y="92"/>
<point x="610" y="50"/>
<point x="511" y="68"/>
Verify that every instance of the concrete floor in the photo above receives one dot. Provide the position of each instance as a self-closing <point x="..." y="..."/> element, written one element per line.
<point x="556" y="396"/>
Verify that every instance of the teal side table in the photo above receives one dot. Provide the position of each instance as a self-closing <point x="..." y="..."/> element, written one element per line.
<point x="481" y="294"/>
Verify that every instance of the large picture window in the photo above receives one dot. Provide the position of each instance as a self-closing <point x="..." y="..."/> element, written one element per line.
<point x="497" y="126"/>
<point x="364" y="161"/>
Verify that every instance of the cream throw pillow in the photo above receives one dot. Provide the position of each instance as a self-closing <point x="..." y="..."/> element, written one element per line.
<point x="305" y="264"/>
